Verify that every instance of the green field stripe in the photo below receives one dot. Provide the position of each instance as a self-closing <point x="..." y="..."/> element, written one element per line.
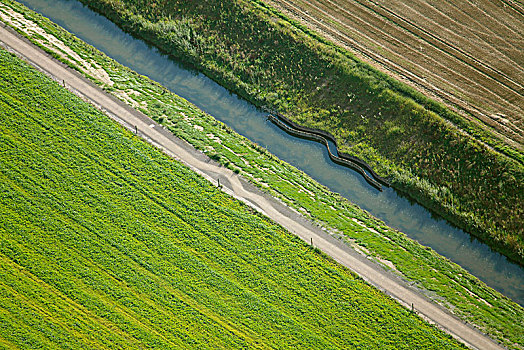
<point x="32" y="313"/>
<point x="193" y="304"/>
<point x="7" y="345"/>
<point x="21" y="334"/>
<point x="128" y="313"/>
<point x="58" y="303"/>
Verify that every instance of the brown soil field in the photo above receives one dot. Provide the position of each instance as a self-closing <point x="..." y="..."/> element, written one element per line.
<point x="467" y="54"/>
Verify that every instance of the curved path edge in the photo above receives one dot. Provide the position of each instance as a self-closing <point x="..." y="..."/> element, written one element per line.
<point x="241" y="189"/>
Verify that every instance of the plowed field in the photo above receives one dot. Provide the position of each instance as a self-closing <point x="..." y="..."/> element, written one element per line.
<point x="469" y="55"/>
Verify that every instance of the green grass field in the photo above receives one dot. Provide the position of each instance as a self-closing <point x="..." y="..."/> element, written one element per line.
<point x="438" y="158"/>
<point x="448" y="283"/>
<point x="105" y="242"/>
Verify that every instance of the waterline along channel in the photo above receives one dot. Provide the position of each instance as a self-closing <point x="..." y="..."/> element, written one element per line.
<point x="309" y="156"/>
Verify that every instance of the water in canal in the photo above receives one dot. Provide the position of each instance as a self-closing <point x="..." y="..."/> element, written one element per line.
<point x="412" y="219"/>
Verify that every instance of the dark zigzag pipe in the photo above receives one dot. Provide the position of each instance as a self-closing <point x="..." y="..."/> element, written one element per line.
<point x="330" y="137"/>
<point x="319" y="137"/>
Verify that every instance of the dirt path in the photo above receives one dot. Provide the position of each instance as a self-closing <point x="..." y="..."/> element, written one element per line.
<point x="244" y="191"/>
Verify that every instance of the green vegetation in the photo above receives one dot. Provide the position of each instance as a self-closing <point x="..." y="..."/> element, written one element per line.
<point x="106" y="242"/>
<point x="274" y="62"/>
<point x="450" y="285"/>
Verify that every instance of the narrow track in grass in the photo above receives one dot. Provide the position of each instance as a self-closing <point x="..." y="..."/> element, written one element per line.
<point x="239" y="188"/>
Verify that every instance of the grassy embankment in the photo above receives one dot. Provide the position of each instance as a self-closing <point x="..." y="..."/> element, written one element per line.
<point x="464" y="294"/>
<point x="106" y="242"/>
<point x="274" y="62"/>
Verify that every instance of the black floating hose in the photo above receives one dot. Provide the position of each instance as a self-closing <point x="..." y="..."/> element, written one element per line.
<point x="323" y="137"/>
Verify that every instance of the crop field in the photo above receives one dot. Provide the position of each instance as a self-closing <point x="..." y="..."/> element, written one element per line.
<point x="468" y="54"/>
<point x="106" y="242"/>
<point x="450" y="285"/>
